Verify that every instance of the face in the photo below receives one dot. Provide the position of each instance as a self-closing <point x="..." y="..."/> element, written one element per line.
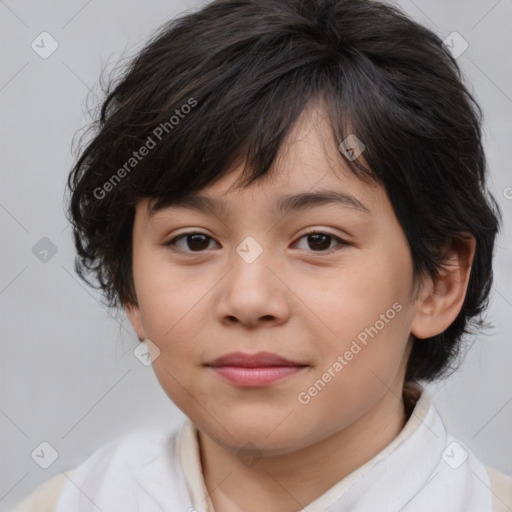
<point x="323" y="284"/>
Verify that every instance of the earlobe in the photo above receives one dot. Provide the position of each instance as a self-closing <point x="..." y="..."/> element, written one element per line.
<point x="133" y="314"/>
<point x="442" y="301"/>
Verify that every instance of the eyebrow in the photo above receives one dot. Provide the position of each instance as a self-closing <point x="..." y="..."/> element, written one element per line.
<point x="285" y="204"/>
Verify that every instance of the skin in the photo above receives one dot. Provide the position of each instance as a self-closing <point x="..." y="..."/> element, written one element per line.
<point x="300" y="301"/>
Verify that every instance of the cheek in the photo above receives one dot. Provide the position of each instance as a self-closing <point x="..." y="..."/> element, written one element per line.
<point x="357" y="370"/>
<point x="174" y="322"/>
<point x="174" y="316"/>
<point x="351" y="297"/>
<point x="170" y="299"/>
<point x="362" y="310"/>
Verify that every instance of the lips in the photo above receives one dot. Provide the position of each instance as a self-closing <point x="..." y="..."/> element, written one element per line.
<point x="254" y="370"/>
<point x="258" y="360"/>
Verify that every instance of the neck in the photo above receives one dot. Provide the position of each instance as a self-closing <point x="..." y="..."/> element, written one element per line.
<point x="290" y="482"/>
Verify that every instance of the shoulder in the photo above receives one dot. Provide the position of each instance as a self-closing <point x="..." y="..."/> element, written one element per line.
<point x="131" y="449"/>
<point x="501" y="487"/>
<point x="45" y="497"/>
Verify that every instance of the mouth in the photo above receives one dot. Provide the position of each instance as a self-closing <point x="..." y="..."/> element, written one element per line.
<point x="254" y="370"/>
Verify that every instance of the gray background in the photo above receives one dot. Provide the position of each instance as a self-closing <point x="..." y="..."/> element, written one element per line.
<point x="68" y="373"/>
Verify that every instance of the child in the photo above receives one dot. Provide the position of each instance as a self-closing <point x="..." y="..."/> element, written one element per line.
<point x="265" y="129"/>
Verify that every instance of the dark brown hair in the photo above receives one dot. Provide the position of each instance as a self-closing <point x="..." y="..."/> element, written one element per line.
<point x="225" y="84"/>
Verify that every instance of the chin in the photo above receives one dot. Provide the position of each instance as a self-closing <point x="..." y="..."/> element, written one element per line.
<point x="247" y="432"/>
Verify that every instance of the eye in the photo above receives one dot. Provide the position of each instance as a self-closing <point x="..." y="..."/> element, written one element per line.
<point x="196" y="242"/>
<point x="320" y="242"/>
<point x="317" y="241"/>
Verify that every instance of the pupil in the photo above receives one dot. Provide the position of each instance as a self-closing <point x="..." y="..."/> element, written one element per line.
<point x="196" y="239"/>
<point x="322" y="245"/>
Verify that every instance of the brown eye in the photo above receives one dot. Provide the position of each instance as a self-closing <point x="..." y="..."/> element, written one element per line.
<point x="191" y="242"/>
<point x="321" y="242"/>
<point x="199" y="242"/>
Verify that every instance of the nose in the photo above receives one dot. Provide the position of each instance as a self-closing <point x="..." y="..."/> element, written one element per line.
<point x="253" y="294"/>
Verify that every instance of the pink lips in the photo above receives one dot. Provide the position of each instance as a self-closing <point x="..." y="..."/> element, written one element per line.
<point x="254" y="370"/>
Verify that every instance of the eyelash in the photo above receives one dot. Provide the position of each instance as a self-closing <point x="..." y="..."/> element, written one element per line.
<point x="172" y="243"/>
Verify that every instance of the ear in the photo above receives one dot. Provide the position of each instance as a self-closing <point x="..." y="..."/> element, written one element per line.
<point x="441" y="301"/>
<point x="133" y="314"/>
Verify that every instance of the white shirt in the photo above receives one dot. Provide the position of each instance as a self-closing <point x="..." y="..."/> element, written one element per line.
<point x="424" y="469"/>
